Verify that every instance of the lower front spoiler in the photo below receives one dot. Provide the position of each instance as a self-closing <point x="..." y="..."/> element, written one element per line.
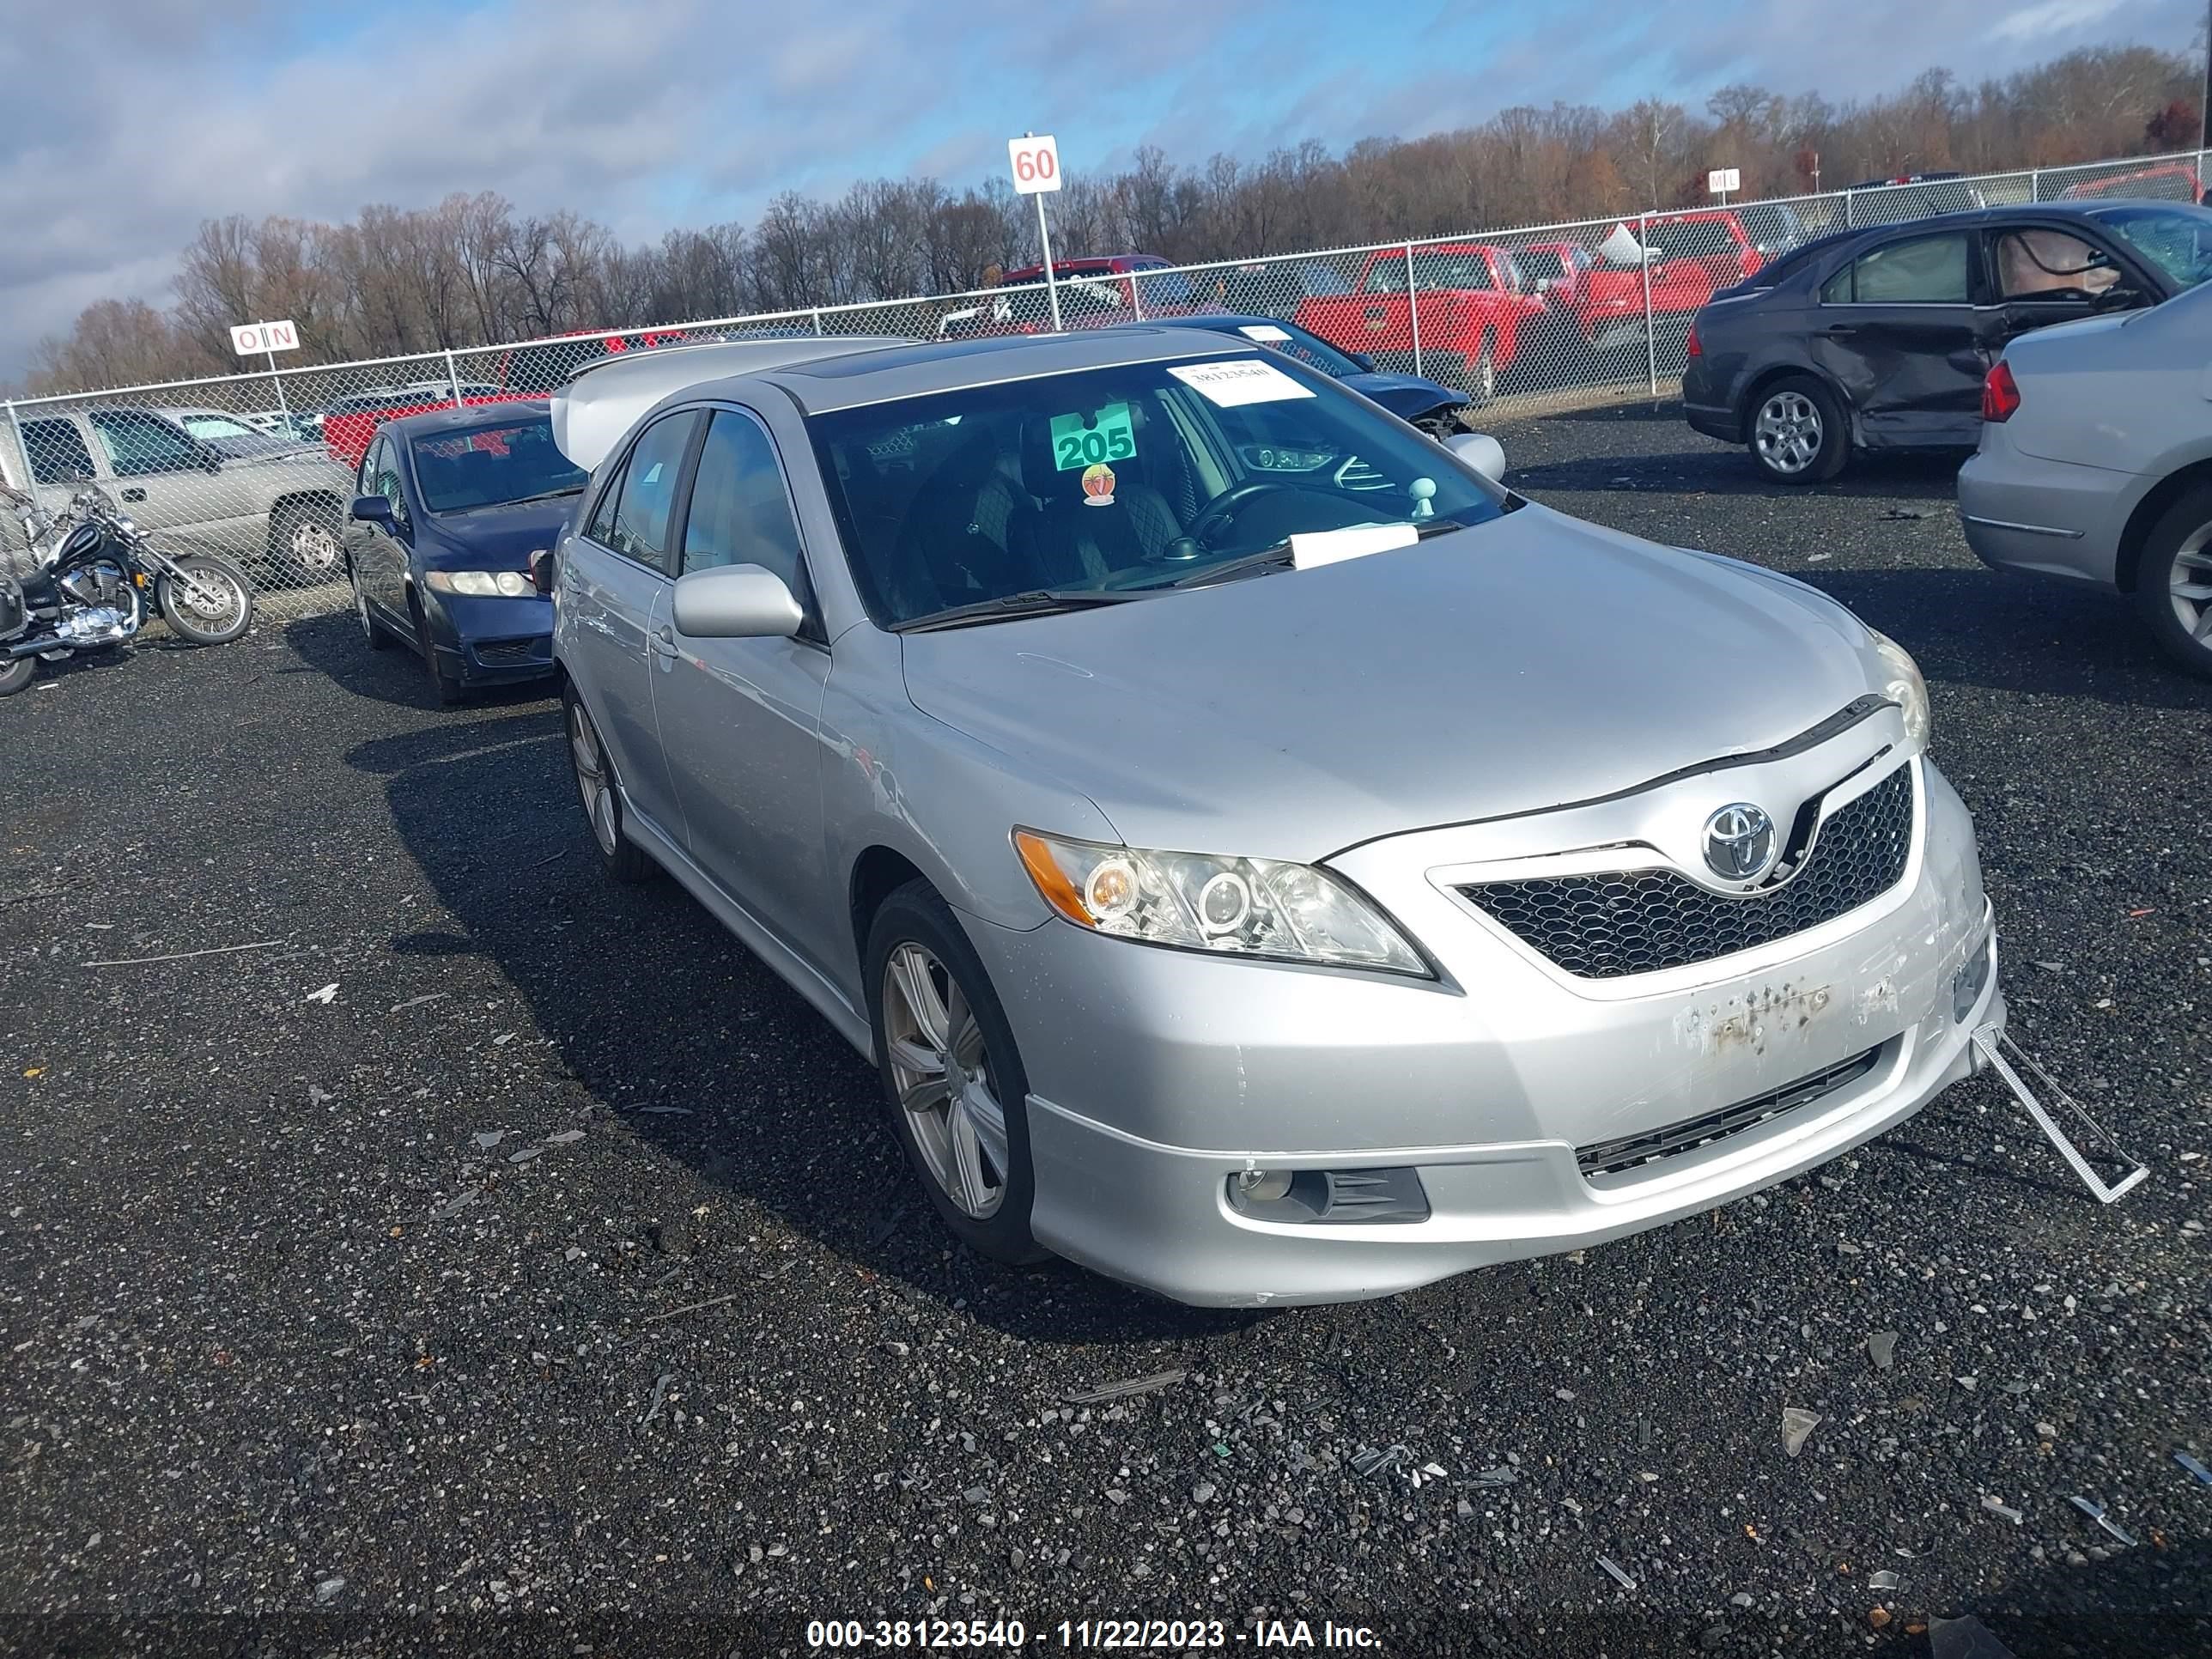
<point x="1159" y="1217"/>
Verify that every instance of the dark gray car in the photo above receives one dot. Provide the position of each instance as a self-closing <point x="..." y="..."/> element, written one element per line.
<point x="1879" y="338"/>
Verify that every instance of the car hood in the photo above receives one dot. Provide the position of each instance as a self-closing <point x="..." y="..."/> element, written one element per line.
<point x="279" y="453"/>
<point x="1404" y="394"/>
<point x="494" y="538"/>
<point x="1517" y="666"/>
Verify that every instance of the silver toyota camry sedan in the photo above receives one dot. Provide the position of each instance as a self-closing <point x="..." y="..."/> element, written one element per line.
<point x="1267" y="860"/>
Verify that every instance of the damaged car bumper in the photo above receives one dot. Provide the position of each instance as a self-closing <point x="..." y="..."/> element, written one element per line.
<point x="1607" y="1046"/>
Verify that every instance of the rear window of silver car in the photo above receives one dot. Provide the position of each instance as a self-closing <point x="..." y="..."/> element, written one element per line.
<point x="1117" y="479"/>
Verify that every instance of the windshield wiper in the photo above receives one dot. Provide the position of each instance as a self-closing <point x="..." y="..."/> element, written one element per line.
<point x="1039" y="602"/>
<point x="1280" y="555"/>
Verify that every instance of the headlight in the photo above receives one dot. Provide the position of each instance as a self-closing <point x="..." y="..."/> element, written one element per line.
<point x="484" y="584"/>
<point x="1196" y="901"/>
<point x="1905" y="688"/>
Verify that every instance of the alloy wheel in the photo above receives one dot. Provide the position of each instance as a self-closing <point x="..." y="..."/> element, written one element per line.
<point x="2189" y="585"/>
<point x="941" y="1068"/>
<point x="592" y="782"/>
<point x="314" y="546"/>
<point x="1788" y="431"/>
<point x="215" y="600"/>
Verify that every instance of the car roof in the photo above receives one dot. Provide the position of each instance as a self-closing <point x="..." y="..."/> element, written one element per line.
<point x="922" y="370"/>
<point x="468" y="418"/>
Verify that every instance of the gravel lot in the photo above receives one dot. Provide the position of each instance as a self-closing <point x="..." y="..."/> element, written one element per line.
<point x="551" y="1287"/>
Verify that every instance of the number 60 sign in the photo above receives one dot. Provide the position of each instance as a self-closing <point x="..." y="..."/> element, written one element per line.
<point x="1036" y="163"/>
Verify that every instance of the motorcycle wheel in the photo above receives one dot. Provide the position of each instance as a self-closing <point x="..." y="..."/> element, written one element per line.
<point x="212" y="605"/>
<point x="17" y="674"/>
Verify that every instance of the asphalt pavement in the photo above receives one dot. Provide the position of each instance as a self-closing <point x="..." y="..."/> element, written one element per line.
<point x="449" y="1252"/>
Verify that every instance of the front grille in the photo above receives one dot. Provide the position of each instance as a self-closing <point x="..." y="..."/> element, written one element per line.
<point x="1609" y="924"/>
<point x="499" y="653"/>
<point x="1608" y="1158"/>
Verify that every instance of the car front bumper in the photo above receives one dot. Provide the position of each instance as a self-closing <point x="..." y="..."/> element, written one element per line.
<point x="2024" y="512"/>
<point x="492" y="641"/>
<point x="1157" y="1077"/>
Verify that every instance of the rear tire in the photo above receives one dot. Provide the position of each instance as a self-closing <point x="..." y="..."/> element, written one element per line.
<point x="623" y="859"/>
<point x="303" y="537"/>
<point x="963" y="1123"/>
<point x="212" y="604"/>
<point x="2173" y="582"/>
<point x="17" y="675"/>
<point x="1798" y="433"/>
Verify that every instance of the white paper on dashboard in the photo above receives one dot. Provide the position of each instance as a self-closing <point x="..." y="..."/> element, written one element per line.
<point x="1319" y="547"/>
<point x="1233" y="382"/>
<point x="1263" y="331"/>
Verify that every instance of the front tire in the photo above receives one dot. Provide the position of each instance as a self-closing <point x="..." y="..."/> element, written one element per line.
<point x="445" y="684"/>
<point x="17" y="675"/>
<point x="623" y="859"/>
<point x="953" y="1081"/>
<point x="373" y="632"/>
<point x="2173" y="582"/>
<point x="1799" y="434"/>
<point x="210" y="602"/>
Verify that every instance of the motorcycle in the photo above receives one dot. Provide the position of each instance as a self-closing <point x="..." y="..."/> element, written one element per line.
<point x="86" y="584"/>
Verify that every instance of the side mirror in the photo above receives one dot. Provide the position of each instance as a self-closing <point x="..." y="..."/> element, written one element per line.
<point x="2118" y="298"/>
<point x="1481" y="452"/>
<point x="372" y="509"/>
<point x="736" y="602"/>
<point x="542" y="571"/>
<point x="210" y="459"/>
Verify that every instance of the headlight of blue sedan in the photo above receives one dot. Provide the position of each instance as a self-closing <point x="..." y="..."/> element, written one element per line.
<point x="1197" y="901"/>
<point x="483" y="584"/>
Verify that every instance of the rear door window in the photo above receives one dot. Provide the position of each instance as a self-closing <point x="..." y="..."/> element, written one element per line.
<point x="637" y="526"/>
<point x="1928" y="270"/>
<point x="57" y="452"/>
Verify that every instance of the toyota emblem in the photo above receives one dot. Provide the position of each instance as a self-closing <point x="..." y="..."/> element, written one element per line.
<point x="1740" y="842"/>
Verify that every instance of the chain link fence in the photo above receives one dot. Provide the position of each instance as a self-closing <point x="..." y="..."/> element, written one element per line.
<point x="262" y="466"/>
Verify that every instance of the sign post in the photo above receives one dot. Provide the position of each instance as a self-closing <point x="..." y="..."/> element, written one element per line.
<point x="267" y="339"/>
<point x="1036" y="161"/>
<point x="1721" y="180"/>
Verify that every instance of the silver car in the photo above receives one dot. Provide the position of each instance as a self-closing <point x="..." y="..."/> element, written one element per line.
<point x="1267" y="860"/>
<point x="2095" y="462"/>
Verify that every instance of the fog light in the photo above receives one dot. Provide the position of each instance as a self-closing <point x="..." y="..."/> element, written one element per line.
<point x="1263" y="1186"/>
<point x="1967" y="984"/>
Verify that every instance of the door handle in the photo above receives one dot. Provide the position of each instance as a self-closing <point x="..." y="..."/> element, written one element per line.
<point x="134" y="494"/>
<point x="1840" y="330"/>
<point x="664" y="641"/>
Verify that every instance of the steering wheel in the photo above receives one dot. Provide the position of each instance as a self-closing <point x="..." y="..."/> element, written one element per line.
<point x="1224" y="506"/>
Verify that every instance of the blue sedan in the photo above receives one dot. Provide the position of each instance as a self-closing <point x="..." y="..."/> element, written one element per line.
<point x="1435" y="408"/>
<point x="451" y="506"/>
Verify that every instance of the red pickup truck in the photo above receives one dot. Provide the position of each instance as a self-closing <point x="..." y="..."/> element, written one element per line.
<point x="1692" y="254"/>
<point x="1472" y="301"/>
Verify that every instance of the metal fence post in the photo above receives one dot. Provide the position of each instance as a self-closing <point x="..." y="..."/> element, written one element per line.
<point x="453" y="377"/>
<point x="22" y="450"/>
<point x="817" y="321"/>
<point x="1413" y="308"/>
<point x="1137" y="295"/>
<point x="1847" y="210"/>
<point x="1651" y="333"/>
<point x="2035" y="184"/>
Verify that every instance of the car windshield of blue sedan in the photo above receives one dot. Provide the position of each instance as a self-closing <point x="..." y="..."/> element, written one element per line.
<point x="1113" y="483"/>
<point x="494" y="467"/>
<point x="2178" y="240"/>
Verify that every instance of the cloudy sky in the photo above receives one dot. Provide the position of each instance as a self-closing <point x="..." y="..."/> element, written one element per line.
<point x="130" y="121"/>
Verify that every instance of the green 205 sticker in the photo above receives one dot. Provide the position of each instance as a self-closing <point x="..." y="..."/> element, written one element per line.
<point x="1109" y="436"/>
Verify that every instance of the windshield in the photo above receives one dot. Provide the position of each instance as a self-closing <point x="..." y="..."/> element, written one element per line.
<point x="1115" y="480"/>
<point x="1294" y="342"/>
<point x="207" y="428"/>
<point x="1468" y="268"/>
<point x="493" y="465"/>
<point x="2178" y="240"/>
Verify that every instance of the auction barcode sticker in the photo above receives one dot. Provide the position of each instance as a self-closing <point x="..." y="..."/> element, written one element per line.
<point x="1239" y="380"/>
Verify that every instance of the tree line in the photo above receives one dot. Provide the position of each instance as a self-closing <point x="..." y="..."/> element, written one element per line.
<point x="475" y="271"/>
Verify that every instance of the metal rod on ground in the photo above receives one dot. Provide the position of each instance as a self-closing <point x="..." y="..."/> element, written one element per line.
<point x="1413" y="308"/>
<point x="1650" y="336"/>
<point x="1044" y="246"/>
<point x="278" y="380"/>
<point x="453" y="377"/>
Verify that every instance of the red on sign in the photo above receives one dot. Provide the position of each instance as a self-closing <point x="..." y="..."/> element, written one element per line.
<point x="252" y="339"/>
